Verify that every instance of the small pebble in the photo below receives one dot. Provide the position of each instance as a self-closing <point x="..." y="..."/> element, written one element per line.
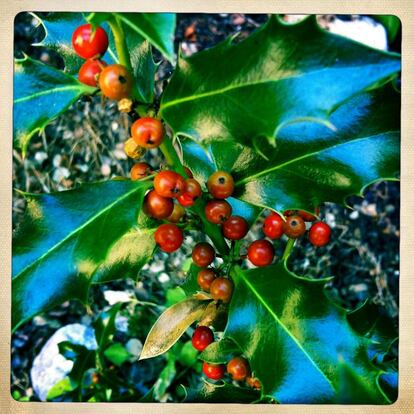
<point x="106" y="170"/>
<point x="41" y="156"/>
<point x="57" y="160"/>
<point x="163" y="278"/>
<point x="354" y="215"/>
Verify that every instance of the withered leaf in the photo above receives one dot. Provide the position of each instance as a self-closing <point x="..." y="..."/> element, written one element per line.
<point x="171" y="325"/>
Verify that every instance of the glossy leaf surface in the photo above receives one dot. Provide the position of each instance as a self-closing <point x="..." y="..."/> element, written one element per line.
<point x="41" y="93"/>
<point x="286" y="322"/>
<point x="311" y="163"/>
<point x="144" y="68"/>
<point x="63" y="240"/>
<point x="220" y="352"/>
<point x="59" y="28"/>
<point x="280" y="74"/>
<point x="127" y="256"/>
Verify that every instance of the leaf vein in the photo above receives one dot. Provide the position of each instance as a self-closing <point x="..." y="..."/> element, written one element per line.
<point x="269" y="309"/>
<point x="76" y="232"/>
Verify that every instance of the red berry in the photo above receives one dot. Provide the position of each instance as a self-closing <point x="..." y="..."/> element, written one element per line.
<point x="294" y="227"/>
<point x="235" y="228"/>
<point x="319" y="234"/>
<point x="193" y="188"/>
<point x="218" y="211"/>
<point x="221" y="289"/>
<point x="89" y="43"/>
<point x="140" y="170"/>
<point x="238" y="368"/>
<point x="288" y="213"/>
<point x="169" y="237"/>
<point x="177" y="214"/>
<point x="273" y="226"/>
<point x="89" y="72"/>
<point x="203" y="336"/>
<point x="169" y="184"/>
<point x="203" y="254"/>
<point x="191" y="193"/>
<point x="214" y="371"/>
<point x="148" y="132"/>
<point x="185" y="200"/>
<point x="306" y="216"/>
<point x="115" y="82"/>
<point x="156" y="206"/>
<point x="220" y="184"/>
<point x="261" y="253"/>
<point x="205" y="278"/>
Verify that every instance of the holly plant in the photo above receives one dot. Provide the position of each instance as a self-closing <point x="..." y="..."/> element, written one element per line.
<point x="260" y="130"/>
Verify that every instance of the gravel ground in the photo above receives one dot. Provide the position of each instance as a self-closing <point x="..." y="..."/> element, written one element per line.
<point x="86" y="145"/>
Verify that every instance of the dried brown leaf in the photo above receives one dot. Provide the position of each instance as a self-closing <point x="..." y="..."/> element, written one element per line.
<point x="171" y="325"/>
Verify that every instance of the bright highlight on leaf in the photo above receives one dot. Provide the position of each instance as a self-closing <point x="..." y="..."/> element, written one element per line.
<point x="279" y="74"/>
<point x="65" y="238"/>
<point x="43" y="93"/>
<point x="304" y="336"/>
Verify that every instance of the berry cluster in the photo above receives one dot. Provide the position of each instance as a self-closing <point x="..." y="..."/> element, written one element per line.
<point x="172" y="193"/>
<point x="115" y="81"/>
<point x="294" y="227"/>
<point x="238" y="367"/>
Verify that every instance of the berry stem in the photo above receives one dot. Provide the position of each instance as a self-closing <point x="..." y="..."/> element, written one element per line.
<point x="122" y="49"/>
<point x="211" y="230"/>
<point x="288" y="249"/>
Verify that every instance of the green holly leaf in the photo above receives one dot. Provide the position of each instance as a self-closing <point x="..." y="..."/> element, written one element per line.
<point x="59" y="28"/>
<point x="65" y="238"/>
<point x="298" y="343"/>
<point x="157" y="28"/>
<point x="368" y="320"/>
<point x="144" y="68"/>
<point x="221" y="392"/>
<point x="280" y="74"/>
<point x="41" y="94"/>
<point x="313" y="164"/>
<point x="220" y="352"/>
<point x="190" y="285"/>
<point x="389" y="384"/>
<point x="127" y="256"/>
